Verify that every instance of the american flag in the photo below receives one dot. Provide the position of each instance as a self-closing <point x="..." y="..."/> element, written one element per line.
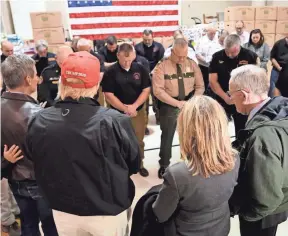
<point x="124" y="19"/>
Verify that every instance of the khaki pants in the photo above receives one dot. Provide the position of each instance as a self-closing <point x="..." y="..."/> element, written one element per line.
<point x="139" y="125"/>
<point x="9" y="207"/>
<point x="73" y="225"/>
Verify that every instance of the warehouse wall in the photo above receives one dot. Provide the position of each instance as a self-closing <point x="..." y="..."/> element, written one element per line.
<point x="190" y="8"/>
<point x="194" y="8"/>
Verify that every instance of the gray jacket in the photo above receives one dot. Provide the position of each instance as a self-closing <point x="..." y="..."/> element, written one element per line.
<point x="198" y="205"/>
<point x="263" y="53"/>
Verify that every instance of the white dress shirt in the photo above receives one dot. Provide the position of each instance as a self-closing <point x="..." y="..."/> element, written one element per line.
<point x="206" y="48"/>
<point x="244" y="37"/>
<point x="191" y="54"/>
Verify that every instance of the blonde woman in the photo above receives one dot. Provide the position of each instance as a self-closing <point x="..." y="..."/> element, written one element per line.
<point x="195" y="192"/>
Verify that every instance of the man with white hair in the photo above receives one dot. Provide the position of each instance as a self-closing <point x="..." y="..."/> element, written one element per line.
<point x="261" y="197"/>
<point x="223" y="62"/>
<point x="43" y="58"/>
<point x="84" y="155"/>
<point x="205" y="48"/>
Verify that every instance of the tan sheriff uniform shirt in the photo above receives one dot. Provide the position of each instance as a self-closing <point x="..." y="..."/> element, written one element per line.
<point x="165" y="80"/>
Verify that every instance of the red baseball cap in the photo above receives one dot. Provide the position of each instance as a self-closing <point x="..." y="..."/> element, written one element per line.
<point x="82" y="66"/>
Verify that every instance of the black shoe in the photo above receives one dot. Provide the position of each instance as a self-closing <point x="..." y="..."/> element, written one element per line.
<point x="147" y="132"/>
<point x="161" y="172"/>
<point x="143" y="172"/>
<point x="12" y="230"/>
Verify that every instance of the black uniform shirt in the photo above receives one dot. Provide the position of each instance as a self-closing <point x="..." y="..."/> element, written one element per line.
<point x="153" y="54"/>
<point x="126" y="85"/>
<point x="48" y="89"/>
<point x="280" y="52"/>
<point x="143" y="61"/>
<point x="223" y="65"/>
<point x="43" y="62"/>
<point x="100" y="58"/>
<point x="107" y="55"/>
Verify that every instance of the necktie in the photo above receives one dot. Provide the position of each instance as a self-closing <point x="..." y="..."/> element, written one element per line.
<point x="181" y="86"/>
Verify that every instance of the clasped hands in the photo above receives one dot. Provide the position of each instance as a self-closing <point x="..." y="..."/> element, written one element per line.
<point x="131" y="110"/>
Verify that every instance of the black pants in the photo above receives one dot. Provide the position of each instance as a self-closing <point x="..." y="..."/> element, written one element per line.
<point x="205" y="74"/>
<point x="239" y="122"/>
<point x="33" y="208"/>
<point x="168" y="122"/>
<point x="255" y="229"/>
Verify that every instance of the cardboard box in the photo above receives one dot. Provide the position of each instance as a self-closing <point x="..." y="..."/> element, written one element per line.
<point x="269" y="39"/>
<point x="278" y="37"/>
<point x="40" y="20"/>
<point x="266" y="26"/>
<point x="266" y="13"/>
<point x="282" y="27"/>
<point x="51" y="35"/>
<point x="230" y="26"/>
<point x="282" y="13"/>
<point x="239" y="13"/>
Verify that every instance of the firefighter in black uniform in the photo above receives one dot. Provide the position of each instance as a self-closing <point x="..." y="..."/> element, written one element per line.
<point x="49" y="79"/>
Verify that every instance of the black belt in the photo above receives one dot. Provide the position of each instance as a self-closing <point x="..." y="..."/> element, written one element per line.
<point x="190" y="95"/>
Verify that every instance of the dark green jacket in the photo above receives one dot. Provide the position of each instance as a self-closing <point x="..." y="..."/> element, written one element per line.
<point x="262" y="188"/>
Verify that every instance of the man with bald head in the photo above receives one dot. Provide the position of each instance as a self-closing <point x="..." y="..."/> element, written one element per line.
<point x="7" y="49"/>
<point x="85" y="45"/>
<point x="49" y="79"/>
<point x="175" y="80"/>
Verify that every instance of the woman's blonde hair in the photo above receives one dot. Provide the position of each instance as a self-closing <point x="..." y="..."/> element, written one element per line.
<point x="76" y="93"/>
<point x="204" y="138"/>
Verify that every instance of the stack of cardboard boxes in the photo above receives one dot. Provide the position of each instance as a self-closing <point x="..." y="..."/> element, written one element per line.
<point x="272" y="21"/>
<point x="48" y="26"/>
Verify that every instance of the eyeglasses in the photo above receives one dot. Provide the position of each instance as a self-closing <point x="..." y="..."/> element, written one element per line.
<point x="230" y="93"/>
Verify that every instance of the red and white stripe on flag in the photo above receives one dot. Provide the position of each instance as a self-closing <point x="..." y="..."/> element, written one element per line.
<point x="124" y="19"/>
